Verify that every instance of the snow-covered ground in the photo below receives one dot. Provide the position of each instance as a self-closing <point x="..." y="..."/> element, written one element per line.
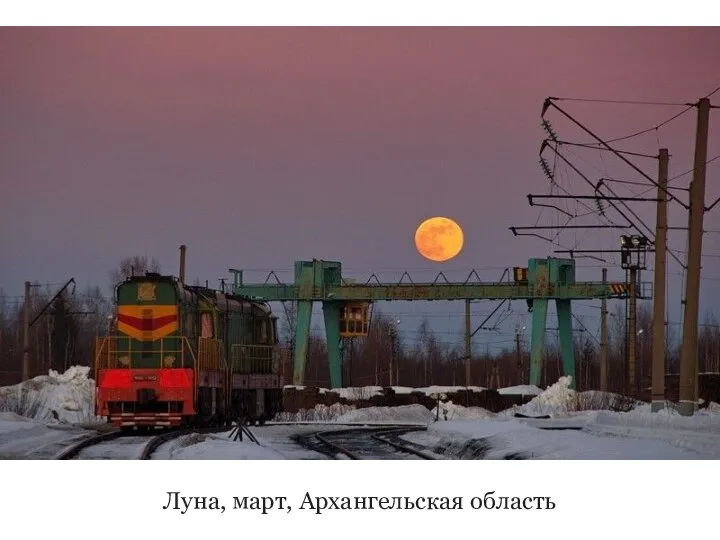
<point x="355" y="393"/>
<point x="217" y="446"/>
<point x="578" y="430"/>
<point x="513" y="439"/>
<point x="25" y="438"/>
<point x="66" y="398"/>
<point x="521" y="390"/>
<point x="42" y="416"/>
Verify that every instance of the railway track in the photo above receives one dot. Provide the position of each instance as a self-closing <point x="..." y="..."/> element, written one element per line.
<point x="364" y="443"/>
<point x="119" y="445"/>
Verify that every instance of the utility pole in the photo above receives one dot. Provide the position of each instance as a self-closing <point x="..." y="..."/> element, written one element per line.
<point x="688" y="350"/>
<point x="633" y="255"/>
<point x="518" y="355"/>
<point x="658" y="343"/>
<point x="377" y="370"/>
<point x="392" y="352"/>
<point x="603" y="339"/>
<point x="350" y="363"/>
<point x="468" y="342"/>
<point x="26" y="334"/>
<point x="632" y="331"/>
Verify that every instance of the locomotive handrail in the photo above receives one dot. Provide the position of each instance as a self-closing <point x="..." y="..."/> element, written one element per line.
<point x="251" y="357"/>
<point x="108" y="355"/>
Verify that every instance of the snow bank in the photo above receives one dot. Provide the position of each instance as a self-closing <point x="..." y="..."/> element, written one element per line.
<point x="521" y="390"/>
<point x="560" y="400"/>
<point x="321" y="413"/>
<point x="448" y="389"/>
<point x="70" y="396"/>
<point x="556" y="400"/>
<point x="458" y="412"/>
<point x="355" y="393"/>
<point x="217" y="446"/>
<point x="402" y="389"/>
<point x="12" y="417"/>
<point x="358" y="392"/>
<point x="511" y="439"/>
<point x="705" y="420"/>
<point x="605" y="434"/>
<point x="403" y="414"/>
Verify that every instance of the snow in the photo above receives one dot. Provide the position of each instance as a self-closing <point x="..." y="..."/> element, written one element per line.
<point x="321" y="413"/>
<point x="356" y="393"/>
<point x="405" y="414"/>
<point x="581" y="430"/>
<point x="429" y="390"/>
<point x="12" y="417"/>
<point x="216" y="446"/>
<point x="556" y="400"/>
<point x="24" y="438"/>
<point x="70" y="395"/>
<point x="587" y="425"/>
<point x="559" y="400"/>
<point x="402" y="389"/>
<point x="458" y="412"/>
<point x="521" y="390"/>
<point x="505" y="439"/>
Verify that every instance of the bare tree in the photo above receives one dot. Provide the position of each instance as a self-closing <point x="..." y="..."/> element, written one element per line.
<point x="290" y="323"/>
<point x="136" y="265"/>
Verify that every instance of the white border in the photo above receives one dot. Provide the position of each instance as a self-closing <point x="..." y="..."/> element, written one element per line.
<point x="365" y="13"/>
<point x="111" y="500"/>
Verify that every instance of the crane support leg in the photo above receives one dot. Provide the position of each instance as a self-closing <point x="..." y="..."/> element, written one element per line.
<point x="537" y="339"/>
<point x="302" y="337"/>
<point x="567" y="351"/>
<point x="331" y="312"/>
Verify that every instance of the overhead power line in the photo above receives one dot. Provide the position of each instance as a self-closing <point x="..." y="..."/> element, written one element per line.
<point x="622" y="101"/>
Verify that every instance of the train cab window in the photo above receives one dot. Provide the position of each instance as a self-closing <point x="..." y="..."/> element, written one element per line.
<point x="274" y="331"/>
<point x="206" y="323"/>
<point x="261" y="331"/>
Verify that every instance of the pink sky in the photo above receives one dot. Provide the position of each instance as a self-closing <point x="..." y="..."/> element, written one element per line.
<point x="257" y="147"/>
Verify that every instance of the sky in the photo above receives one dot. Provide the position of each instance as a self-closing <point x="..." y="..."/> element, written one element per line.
<point x="257" y="147"/>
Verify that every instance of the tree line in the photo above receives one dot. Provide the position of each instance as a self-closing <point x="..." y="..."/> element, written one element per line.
<point x="66" y="332"/>
<point x="428" y="359"/>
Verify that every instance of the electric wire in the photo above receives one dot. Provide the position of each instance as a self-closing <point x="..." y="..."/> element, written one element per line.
<point x="621" y="101"/>
<point x="688" y="107"/>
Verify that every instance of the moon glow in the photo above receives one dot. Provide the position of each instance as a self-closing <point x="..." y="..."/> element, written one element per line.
<point x="439" y="239"/>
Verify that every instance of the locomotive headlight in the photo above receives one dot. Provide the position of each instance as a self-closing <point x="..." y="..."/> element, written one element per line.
<point x="124" y="361"/>
<point x="169" y="361"/>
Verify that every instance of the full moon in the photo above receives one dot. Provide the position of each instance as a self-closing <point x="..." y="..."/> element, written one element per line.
<point x="439" y="239"/>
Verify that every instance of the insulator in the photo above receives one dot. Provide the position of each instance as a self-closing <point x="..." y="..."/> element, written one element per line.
<point x="547" y="126"/>
<point x="546" y="169"/>
<point x="601" y="209"/>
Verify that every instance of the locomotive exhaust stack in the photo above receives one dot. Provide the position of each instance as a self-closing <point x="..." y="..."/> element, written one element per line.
<point x="182" y="263"/>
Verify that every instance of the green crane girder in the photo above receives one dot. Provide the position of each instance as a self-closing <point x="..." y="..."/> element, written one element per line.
<point x="543" y="280"/>
<point x="433" y="291"/>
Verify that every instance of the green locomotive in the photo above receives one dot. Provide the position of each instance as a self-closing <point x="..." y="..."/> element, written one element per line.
<point x="187" y="355"/>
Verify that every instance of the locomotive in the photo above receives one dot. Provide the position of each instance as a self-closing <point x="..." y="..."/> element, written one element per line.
<point x="189" y="356"/>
